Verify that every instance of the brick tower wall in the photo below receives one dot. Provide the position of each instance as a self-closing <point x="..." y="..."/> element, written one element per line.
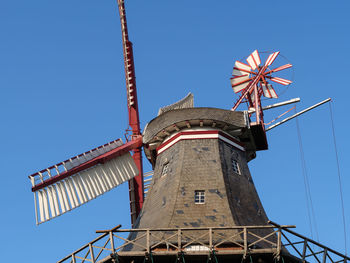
<point x="205" y="165"/>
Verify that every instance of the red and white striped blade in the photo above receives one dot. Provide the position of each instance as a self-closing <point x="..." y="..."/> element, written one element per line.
<point x="254" y="59"/>
<point x="69" y="184"/>
<point x="271" y="58"/>
<point x="240" y="82"/>
<point x="282" y="67"/>
<point x="284" y="82"/>
<point x="269" y="92"/>
<point x="241" y="69"/>
<point x="240" y="87"/>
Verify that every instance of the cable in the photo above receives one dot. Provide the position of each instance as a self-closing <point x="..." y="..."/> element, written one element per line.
<point x="303" y="168"/>
<point x="279" y="116"/>
<point x="339" y="178"/>
<point x="309" y="203"/>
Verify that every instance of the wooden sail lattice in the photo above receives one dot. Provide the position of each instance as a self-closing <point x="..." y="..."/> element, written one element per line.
<point x="76" y="181"/>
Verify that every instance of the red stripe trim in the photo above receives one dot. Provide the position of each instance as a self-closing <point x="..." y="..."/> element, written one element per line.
<point x="123" y="149"/>
<point x="214" y="132"/>
<point x="231" y="139"/>
<point x="184" y="133"/>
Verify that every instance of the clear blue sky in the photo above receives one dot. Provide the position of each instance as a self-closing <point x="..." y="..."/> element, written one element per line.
<point x="63" y="92"/>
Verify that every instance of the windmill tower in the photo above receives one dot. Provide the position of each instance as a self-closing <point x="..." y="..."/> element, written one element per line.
<point x="202" y="203"/>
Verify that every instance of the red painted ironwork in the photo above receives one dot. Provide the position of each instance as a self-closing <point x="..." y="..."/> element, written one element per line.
<point x="258" y="84"/>
<point x="249" y="89"/>
<point x="136" y="184"/>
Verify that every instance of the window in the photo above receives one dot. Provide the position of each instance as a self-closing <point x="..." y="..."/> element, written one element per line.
<point x="235" y="166"/>
<point x="165" y="169"/>
<point x="199" y="197"/>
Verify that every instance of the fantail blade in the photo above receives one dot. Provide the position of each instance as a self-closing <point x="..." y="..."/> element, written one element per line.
<point x="241" y="69"/>
<point x="269" y="91"/>
<point x="284" y="82"/>
<point x="271" y="58"/>
<point x="254" y="59"/>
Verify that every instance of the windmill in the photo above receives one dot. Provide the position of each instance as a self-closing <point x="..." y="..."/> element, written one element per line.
<point x="201" y="178"/>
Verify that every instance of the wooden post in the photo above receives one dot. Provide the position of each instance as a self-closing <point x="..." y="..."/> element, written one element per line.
<point x="245" y="242"/>
<point x="211" y="239"/>
<point x="279" y="243"/>
<point x="324" y="255"/>
<point x="91" y="249"/>
<point x="148" y="241"/>
<point x="179" y="239"/>
<point x="304" y="250"/>
<point x="112" y="241"/>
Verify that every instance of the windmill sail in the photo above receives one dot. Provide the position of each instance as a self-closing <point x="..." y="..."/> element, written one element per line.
<point x="71" y="183"/>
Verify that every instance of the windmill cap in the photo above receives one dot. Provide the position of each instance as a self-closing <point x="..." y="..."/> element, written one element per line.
<point x="233" y="123"/>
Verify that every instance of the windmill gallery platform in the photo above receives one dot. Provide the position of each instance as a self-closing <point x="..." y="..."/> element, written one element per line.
<point x="202" y="204"/>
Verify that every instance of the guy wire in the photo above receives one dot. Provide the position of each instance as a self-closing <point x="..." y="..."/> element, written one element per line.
<point x="339" y="177"/>
<point x="309" y="202"/>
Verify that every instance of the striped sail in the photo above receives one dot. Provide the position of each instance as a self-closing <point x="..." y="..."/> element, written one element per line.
<point x="284" y="82"/>
<point x="241" y="69"/>
<point x="271" y="58"/>
<point x="269" y="91"/>
<point x="69" y="184"/>
<point x="254" y="60"/>
<point x="239" y="83"/>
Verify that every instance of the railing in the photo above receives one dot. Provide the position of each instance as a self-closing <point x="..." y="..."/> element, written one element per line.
<point x="147" y="180"/>
<point x="307" y="249"/>
<point x="242" y="241"/>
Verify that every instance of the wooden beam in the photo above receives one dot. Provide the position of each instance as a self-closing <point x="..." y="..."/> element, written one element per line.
<point x="110" y="230"/>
